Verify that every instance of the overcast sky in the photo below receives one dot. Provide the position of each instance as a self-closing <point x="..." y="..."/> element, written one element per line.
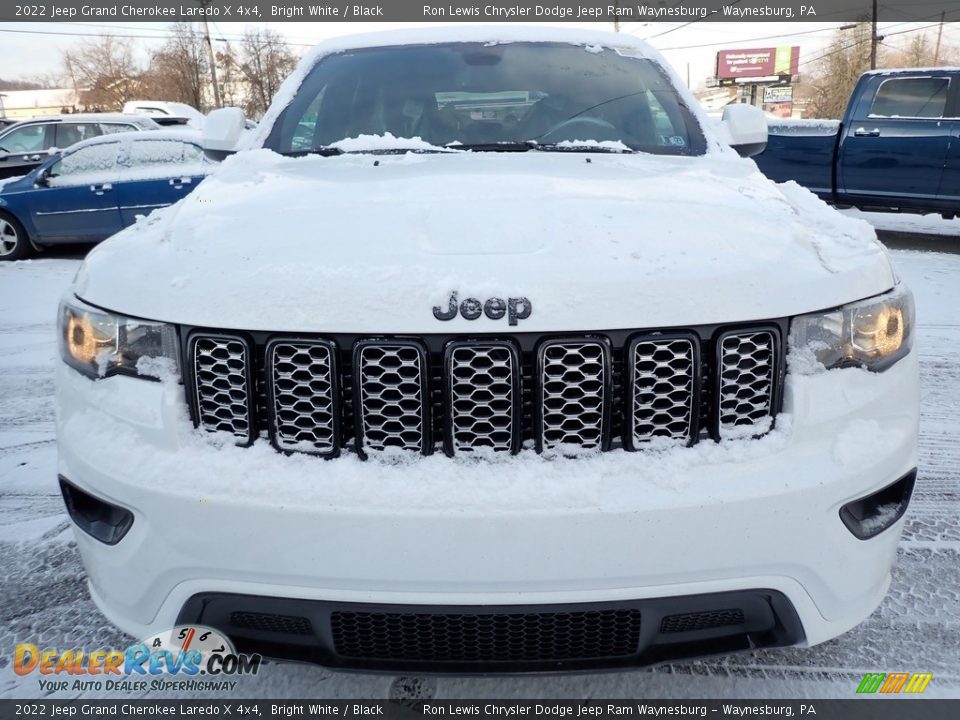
<point x="31" y="49"/>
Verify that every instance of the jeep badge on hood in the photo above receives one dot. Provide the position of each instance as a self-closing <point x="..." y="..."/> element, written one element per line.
<point x="516" y="309"/>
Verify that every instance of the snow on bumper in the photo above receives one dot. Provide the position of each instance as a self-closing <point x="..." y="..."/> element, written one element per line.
<point x="747" y="514"/>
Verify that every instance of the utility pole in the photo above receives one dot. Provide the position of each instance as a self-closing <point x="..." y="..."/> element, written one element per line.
<point x="936" y="53"/>
<point x="873" y="38"/>
<point x="616" y="18"/>
<point x="213" y="61"/>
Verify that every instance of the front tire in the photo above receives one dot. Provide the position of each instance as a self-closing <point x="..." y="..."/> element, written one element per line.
<point x="14" y="243"/>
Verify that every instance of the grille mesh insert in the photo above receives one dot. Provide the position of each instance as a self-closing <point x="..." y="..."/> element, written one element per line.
<point x="270" y="623"/>
<point x="664" y="373"/>
<point x="547" y="636"/>
<point x="574" y="380"/>
<point x="689" y="622"/>
<point x="221" y="371"/>
<point x="392" y="397"/>
<point x="303" y="377"/>
<point x="747" y="375"/>
<point x="482" y="380"/>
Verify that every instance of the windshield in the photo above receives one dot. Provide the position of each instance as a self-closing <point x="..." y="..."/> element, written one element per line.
<point x="484" y="96"/>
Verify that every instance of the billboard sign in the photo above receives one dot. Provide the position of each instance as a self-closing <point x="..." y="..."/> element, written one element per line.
<point x="758" y="62"/>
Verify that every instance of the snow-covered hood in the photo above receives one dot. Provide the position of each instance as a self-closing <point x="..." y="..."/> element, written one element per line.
<point x="372" y="244"/>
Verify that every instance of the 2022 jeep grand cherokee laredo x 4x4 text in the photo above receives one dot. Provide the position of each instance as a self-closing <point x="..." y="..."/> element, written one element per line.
<point x="489" y="355"/>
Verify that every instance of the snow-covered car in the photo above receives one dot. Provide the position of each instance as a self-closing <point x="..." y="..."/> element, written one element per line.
<point x="98" y="187"/>
<point x="24" y="145"/>
<point x="489" y="355"/>
<point x="166" y="113"/>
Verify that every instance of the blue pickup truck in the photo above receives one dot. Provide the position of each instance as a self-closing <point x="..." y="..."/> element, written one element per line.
<point x="896" y="149"/>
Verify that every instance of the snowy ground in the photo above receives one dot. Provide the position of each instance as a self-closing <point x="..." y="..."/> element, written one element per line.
<point x="43" y="596"/>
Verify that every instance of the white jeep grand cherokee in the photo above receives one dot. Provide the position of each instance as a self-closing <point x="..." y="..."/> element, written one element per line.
<point x="489" y="355"/>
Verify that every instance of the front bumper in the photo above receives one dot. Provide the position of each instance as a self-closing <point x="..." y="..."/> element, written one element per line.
<point x="214" y="520"/>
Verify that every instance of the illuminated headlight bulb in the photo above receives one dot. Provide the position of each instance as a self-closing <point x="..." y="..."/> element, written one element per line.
<point x="878" y="331"/>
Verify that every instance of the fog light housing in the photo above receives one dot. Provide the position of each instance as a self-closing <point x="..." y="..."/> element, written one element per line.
<point x="104" y="521"/>
<point x="869" y="516"/>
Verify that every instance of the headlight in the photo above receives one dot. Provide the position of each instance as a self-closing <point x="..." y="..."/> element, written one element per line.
<point x="872" y="333"/>
<point x="100" y="344"/>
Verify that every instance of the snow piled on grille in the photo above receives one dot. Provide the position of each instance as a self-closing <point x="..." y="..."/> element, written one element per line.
<point x="210" y="466"/>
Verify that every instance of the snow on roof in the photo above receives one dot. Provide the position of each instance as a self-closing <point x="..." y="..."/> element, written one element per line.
<point x="183" y="135"/>
<point x="89" y="117"/>
<point x="916" y="70"/>
<point x="154" y="108"/>
<point x="479" y="33"/>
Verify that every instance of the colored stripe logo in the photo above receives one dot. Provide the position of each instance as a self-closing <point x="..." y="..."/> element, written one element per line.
<point x="893" y="683"/>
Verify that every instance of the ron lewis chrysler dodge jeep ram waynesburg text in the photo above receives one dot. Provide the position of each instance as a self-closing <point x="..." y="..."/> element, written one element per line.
<point x="488" y="352"/>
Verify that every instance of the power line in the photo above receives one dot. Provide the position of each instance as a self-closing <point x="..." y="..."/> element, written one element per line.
<point x="834" y="51"/>
<point x="756" y="39"/>
<point x="688" y="24"/>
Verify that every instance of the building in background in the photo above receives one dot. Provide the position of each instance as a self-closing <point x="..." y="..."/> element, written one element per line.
<point x="25" y="104"/>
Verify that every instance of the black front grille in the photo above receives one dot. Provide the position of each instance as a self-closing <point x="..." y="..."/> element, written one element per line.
<point x="596" y="391"/>
<point x="485" y="638"/>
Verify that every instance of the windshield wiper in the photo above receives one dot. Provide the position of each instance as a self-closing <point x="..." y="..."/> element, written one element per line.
<point x="579" y="148"/>
<point x="528" y="145"/>
<point x="511" y="146"/>
<point x="325" y="151"/>
<point x="331" y="150"/>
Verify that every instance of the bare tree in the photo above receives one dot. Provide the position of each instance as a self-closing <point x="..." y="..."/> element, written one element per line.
<point x="231" y="79"/>
<point x="179" y="70"/>
<point x="835" y="73"/>
<point x="920" y="51"/>
<point x="104" y="70"/>
<point x="266" y="61"/>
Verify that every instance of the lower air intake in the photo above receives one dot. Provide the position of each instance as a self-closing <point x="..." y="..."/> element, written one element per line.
<point x="269" y="623"/>
<point x="692" y="622"/>
<point x="479" y="638"/>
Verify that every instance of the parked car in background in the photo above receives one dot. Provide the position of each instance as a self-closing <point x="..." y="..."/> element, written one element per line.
<point x="166" y="113"/>
<point x="7" y="122"/>
<point x="895" y="149"/>
<point x="98" y="187"/>
<point x="24" y="145"/>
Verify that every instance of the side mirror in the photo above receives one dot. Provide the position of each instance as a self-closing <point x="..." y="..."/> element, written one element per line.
<point x="221" y="131"/>
<point x="746" y="128"/>
<point x="42" y="179"/>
